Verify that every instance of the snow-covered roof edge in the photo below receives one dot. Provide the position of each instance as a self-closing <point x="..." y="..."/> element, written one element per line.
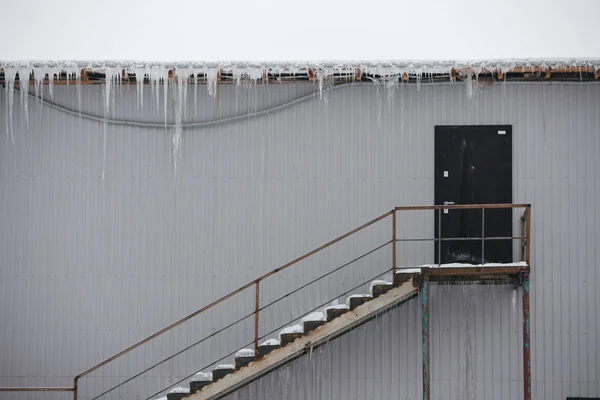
<point x="429" y="64"/>
<point x="375" y="67"/>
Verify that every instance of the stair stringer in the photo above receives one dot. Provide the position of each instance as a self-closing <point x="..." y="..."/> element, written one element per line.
<point x="320" y="336"/>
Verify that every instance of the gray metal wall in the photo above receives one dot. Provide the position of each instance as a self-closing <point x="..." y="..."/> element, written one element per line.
<point x="90" y="265"/>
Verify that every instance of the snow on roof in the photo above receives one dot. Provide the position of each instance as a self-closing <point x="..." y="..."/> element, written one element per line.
<point x="382" y="67"/>
<point x="212" y="72"/>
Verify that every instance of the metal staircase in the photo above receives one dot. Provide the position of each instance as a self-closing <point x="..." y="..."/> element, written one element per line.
<point x="302" y="334"/>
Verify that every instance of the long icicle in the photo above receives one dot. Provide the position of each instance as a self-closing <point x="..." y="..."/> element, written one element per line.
<point x="9" y="82"/>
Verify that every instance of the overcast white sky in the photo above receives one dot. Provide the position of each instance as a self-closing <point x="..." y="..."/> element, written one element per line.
<point x="154" y="30"/>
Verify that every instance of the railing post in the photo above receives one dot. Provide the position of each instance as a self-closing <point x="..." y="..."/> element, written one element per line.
<point x="440" y="236"/>
<point x="425" y="333"/>
<point x="528" y="249"/>
<point x="526" y="339"/>
<point x="523" y="235"/>
<point x="483" y="235"/>
<point x="75" y="387"/>
<point x="256" y="309"/>
<point x="394" y="246"/>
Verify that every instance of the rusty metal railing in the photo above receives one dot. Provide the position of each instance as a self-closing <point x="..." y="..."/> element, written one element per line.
<point x="525" y="255"/>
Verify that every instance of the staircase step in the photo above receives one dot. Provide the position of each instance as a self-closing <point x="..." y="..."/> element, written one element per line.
<point x="222" y="370"/>
<point x="304" y="343"/>
<point x="200" y="380"/>
<point x="178" y="393"/>
<point x="335" y="311"/>
<point x="380" y="287"/>
<point x="243" y="361"/>
<point x="357" y="299"/>
<point x="197" y="385"/>
<point x="404" y="276"/>
<point x="313" y="320"/>
<point x="268" y="346"/>
<point x="312" y="325"/>
<point x="291" y="333"/>
<point x="287" y="338"/>
<point x="244" y="357"/>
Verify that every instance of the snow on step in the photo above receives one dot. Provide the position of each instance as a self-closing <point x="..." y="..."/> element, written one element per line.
<point x="203" y="377"/>
<point x="298" y="328"/>
<point x="417" y="270"/>
<point x="314" y="316"/>
<point x="225" y="366"/>
<point x="270" y="342"/>
<point x="337" y="307"/>
<point x="378" y="283"/>
<point x="357" y="296"/>
<point x="245" y="353"/>
<point x="409" y="271"/>
<point x="180" y="390"/>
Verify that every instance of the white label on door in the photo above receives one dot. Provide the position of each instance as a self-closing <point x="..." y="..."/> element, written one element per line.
<point x="446" y="211"/>
<point x="501" y="132"/>
<point x="445" y="174"/>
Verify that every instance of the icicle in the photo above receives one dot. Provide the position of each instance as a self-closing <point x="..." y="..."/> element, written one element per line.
<point x="154" y="76"/>
<point x="320" y="78"/>
<point x="390" y="85"/>
<point x="468" y="79"/>
<point x="165" y="79"/>
<point x="179" y="105"/>
<point x="379" y="84"/>
<point x="186" y="73"/>
<point x="9" y="82"/>
<point x="255" y="73"/>
<point x="140" y="73"/>
<point x="51" y="72"/>
<point x="211" y="80"/>
<point x="195" y="93"/>
<point x="24" y="73"/>
<point x="110" y="73"/>
<point x="237" y="75"/>
<point x="78" y="81"/>
<point x="39" y="74"/>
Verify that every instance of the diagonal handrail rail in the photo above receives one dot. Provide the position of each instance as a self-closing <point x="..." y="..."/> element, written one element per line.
<point x="526" y="252"/>
<point x="227" y="296"/>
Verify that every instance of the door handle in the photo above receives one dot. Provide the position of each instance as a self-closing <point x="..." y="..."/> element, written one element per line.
<point x="448" y="203"/>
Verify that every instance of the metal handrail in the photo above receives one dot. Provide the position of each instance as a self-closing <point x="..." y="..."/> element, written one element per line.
<point x="525" y="255"/>
<point x="255" y="282"/>
<point x="263" y="307"/>
<point x="373" y="277"/>
<point x="36" y="389"/>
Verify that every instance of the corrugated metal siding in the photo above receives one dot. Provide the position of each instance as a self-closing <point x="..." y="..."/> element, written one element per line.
<point x="89" y="265"/>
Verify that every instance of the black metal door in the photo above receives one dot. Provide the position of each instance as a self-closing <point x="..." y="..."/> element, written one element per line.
<point x="473" y="165"/>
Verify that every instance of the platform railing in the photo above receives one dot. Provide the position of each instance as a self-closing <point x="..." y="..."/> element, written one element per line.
<point x="256" y="284"/>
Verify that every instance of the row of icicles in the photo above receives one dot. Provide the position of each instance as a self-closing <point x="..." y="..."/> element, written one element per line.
<point x="158" y="75"/>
